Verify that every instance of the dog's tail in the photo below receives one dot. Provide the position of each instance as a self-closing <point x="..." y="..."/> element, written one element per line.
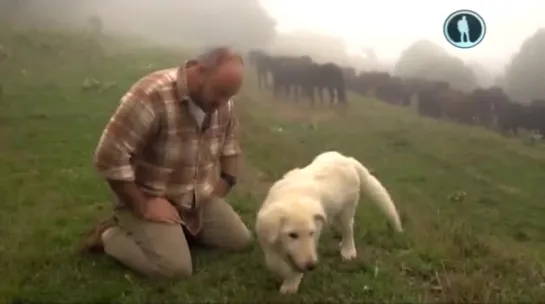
<point x="374" y="189"/>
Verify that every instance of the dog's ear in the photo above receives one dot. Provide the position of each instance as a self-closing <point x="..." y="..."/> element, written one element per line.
<point x="270" y="225"/>
<point x="320" y="217"/>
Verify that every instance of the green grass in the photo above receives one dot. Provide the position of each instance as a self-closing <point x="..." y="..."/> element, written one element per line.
<point x="486" y="247"/>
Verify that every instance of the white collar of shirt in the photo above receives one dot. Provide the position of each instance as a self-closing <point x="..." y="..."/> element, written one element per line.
<point x="197" y="113"/>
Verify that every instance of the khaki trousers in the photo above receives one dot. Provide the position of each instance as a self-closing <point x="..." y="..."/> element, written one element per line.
<point x="161" y="250"/>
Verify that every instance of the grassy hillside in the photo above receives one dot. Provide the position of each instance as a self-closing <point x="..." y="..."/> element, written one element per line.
<point x="472" y="201"/>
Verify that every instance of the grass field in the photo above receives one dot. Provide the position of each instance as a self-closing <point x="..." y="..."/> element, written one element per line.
<point x="472" y="201"/>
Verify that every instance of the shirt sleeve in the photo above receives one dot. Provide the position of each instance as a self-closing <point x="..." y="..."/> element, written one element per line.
<point x="231" y="146"/>
<point x="125" y="133"/>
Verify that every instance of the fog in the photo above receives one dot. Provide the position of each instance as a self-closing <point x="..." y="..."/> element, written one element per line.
<point x="356" y="33"/>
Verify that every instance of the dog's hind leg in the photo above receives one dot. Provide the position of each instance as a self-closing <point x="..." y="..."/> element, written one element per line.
<point x="335" y="226"/>
<point x="346" y="225"/>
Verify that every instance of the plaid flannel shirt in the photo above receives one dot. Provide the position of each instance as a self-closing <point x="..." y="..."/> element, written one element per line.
<point x="153" y="140"/>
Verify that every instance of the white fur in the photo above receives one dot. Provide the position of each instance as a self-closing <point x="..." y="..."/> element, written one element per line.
<point x="297" y="206"/>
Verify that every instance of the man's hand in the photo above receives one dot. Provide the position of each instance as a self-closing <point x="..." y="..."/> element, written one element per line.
<point x="159" y="210"/>
<point x="229" y="166"/>
<point x="221" y="189"/>
<point x="155" y="209"/>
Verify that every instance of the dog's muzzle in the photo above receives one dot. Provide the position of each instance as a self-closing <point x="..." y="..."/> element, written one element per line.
<point x="308" y="267"/>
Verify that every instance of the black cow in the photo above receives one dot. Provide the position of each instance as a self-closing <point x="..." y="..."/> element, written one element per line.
<point x="512" y="116"/>
<point x="536" y="113"/>
<point x="428" y="95"/>
<point x="290" y="75"/>
<point x="367" y="82"/>
<point x="328" y="76"/>
<point x="262" y="63"/>
<point x="486" y="104"/>
<point x="394" y="91"/>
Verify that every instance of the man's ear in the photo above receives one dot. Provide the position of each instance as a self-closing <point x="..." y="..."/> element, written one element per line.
<point x="270" y="225"/>
<point x="204" y="69"/>
<point x="191" y="63"/>
<point x="201" y="68"/>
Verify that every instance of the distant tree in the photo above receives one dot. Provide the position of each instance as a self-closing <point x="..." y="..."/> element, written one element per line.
<point x="524" y="75"/>
<point x="483" y="75"/>
<point x="11" y="9"/>
<point x="240" y="23"/>
<point x="320" y="47"/>
<point x="95" y="25"/>
<point x="499" y="81"/>
<point x="37" y="12"/>
<point x="426" y="60"/>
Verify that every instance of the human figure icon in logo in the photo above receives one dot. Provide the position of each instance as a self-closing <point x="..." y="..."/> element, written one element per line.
<point x="463" y="28"/>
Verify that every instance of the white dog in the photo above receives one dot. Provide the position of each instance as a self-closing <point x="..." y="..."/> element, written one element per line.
<point x="292" y="216"/>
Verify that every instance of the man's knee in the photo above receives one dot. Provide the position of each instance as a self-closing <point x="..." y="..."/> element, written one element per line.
<point x="171" y="261"/>
<point x="154" y="249"/>
<point x="242" y="239"/>
<point x="223" y="228"/>
<point x="170" y="268"/>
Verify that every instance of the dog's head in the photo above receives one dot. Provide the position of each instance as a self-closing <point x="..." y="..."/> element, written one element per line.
<point x="294" y="233"/>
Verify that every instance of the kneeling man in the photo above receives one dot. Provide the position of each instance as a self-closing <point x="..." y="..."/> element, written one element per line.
<point x="169" y="153"/>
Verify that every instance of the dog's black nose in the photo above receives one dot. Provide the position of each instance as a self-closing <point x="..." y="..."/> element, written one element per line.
<point x="311" y="266"/>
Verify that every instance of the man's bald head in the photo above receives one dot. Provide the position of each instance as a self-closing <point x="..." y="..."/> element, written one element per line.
<point x="214" y="77"/>
<point x="218" y="56"/>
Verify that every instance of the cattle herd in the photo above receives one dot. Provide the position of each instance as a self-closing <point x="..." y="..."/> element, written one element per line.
<point x="296" y="78"/>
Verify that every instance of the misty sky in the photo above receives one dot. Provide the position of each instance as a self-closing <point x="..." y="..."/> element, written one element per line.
<point x="389" y="26"/>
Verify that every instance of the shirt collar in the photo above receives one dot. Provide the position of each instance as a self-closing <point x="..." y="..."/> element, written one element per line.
<point x="181" y="83"/>
<point x="197" y="113"/>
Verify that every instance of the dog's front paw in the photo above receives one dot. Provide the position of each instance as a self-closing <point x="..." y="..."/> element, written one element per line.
<point x="291" y="285"/>
<point x="289" y="288"/>
<point x="348" y="252"/>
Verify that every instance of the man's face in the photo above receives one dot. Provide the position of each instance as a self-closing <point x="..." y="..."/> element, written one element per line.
<point x="217" y="86"/>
